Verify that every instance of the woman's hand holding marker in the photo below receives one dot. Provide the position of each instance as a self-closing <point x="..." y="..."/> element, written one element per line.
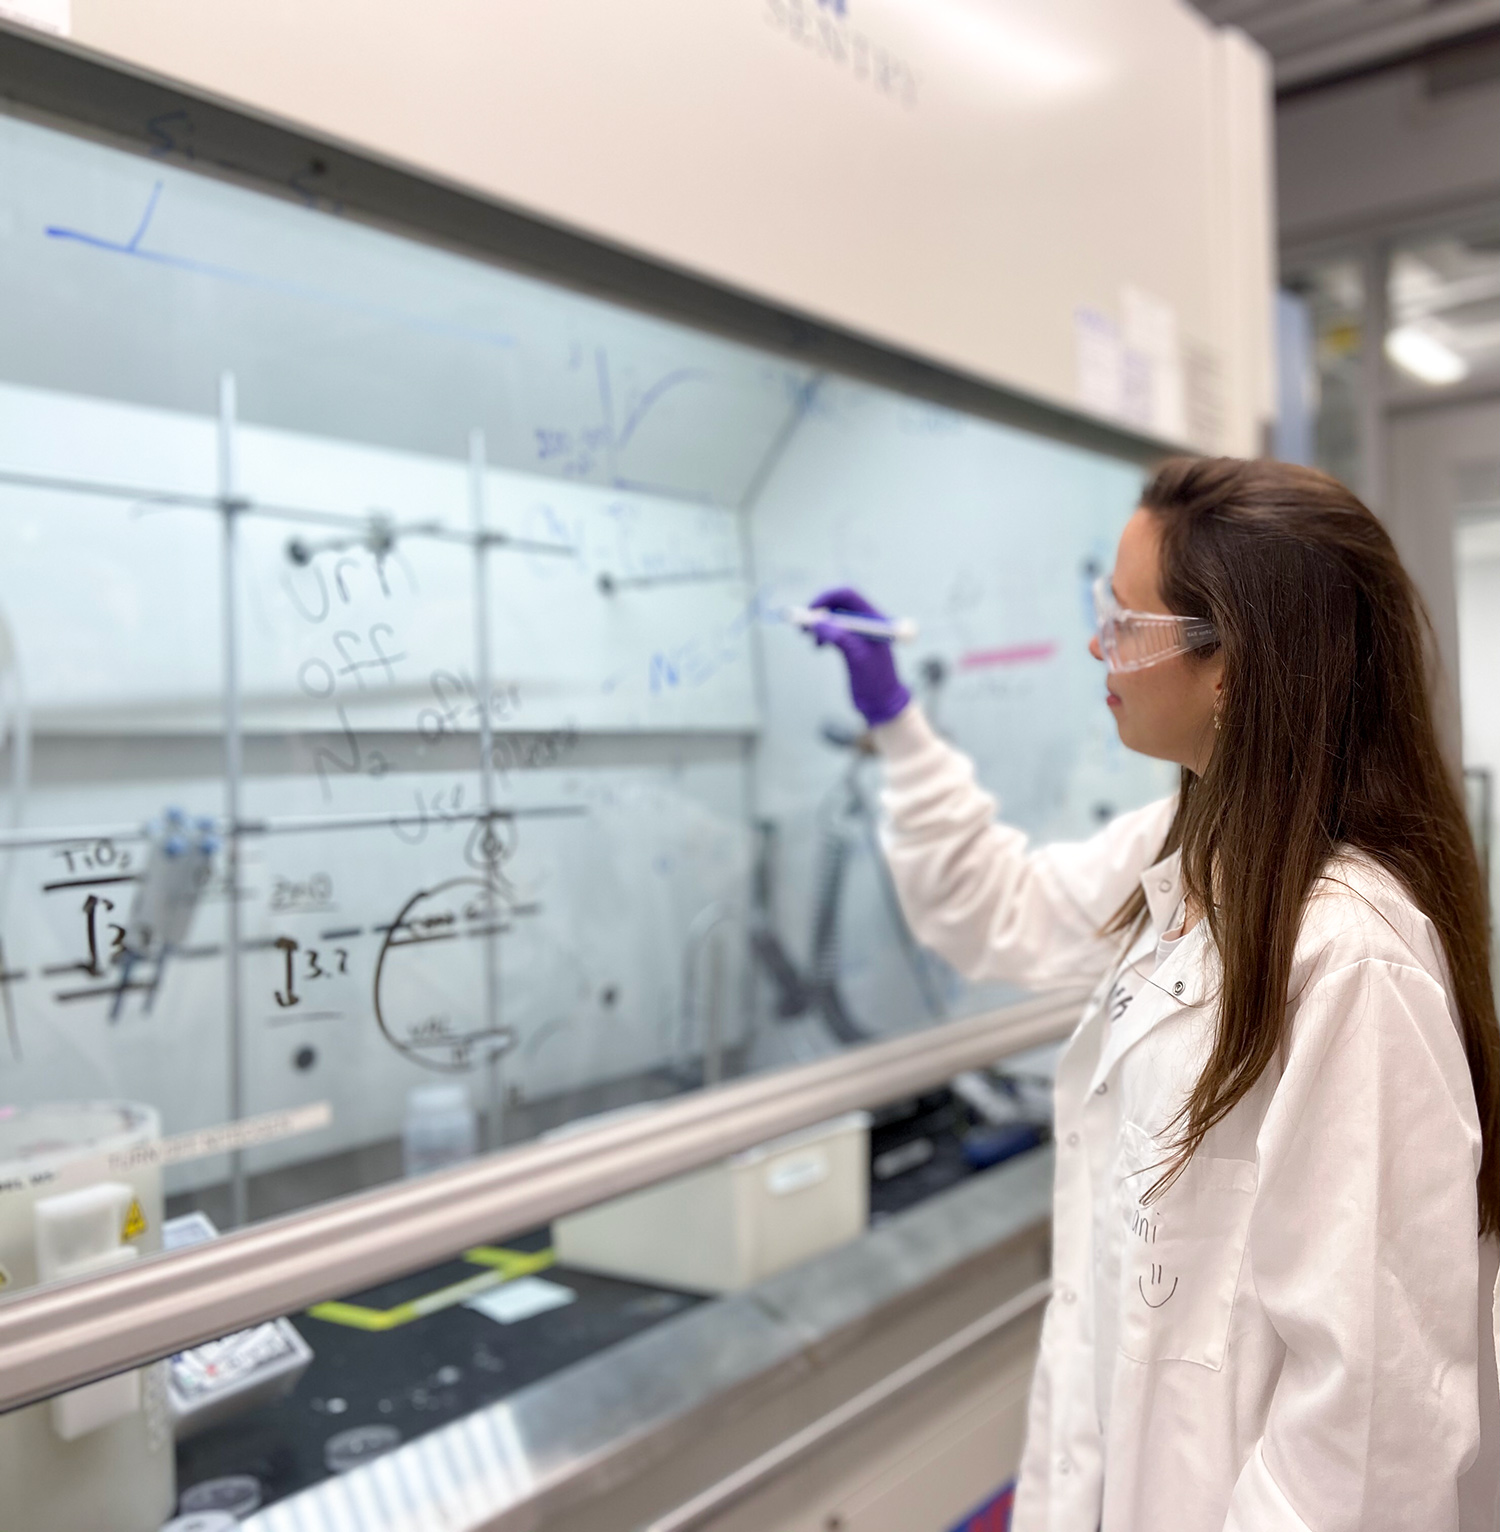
<point x="873" y="682"/>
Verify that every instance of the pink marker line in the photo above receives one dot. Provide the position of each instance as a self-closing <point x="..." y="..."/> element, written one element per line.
<point x="1016" y="654"/>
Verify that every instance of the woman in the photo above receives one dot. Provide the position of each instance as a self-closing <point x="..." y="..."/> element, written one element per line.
<point x="1278" y="1123"/>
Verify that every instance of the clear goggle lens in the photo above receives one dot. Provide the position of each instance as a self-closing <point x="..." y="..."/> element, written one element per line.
<point x="1133" y="640"/>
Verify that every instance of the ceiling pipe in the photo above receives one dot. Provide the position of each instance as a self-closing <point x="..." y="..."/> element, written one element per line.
<point x="1386" y="45"/>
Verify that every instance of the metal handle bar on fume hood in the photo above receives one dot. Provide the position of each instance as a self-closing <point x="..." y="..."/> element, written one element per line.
<point x="57" y="1338"/>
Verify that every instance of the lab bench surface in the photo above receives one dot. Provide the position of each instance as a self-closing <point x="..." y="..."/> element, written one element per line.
<point x="419" y="1375"/>
<point x="431" y="1370"/>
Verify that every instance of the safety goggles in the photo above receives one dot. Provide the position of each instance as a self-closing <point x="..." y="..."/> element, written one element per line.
<point x="1133" y="640"/>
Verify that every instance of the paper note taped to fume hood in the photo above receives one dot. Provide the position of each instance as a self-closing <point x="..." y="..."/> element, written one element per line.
<point x="1100" y="359"/>
<point x="1153" y="354"/>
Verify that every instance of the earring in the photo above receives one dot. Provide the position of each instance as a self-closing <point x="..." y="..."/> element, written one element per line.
<point x="1218" y="717"/>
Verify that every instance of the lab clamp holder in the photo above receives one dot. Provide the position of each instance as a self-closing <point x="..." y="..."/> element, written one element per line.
<point x="179" y="864"/>
<point x="378" y="539"/>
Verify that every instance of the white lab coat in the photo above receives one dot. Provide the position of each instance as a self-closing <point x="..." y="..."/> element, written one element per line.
<point x="1292" y="1333"/>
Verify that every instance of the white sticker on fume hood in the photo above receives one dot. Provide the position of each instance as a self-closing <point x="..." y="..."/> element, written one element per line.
<point x="55" y="16"/>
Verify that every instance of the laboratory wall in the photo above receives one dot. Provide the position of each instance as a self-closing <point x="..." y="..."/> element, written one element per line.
<point x="1389" y="206"/>
<point x="1478" y="557"/>
<point x="1072" y="201"/>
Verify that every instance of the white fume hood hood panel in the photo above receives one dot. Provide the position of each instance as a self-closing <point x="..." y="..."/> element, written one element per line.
<point x="991" y="184"/>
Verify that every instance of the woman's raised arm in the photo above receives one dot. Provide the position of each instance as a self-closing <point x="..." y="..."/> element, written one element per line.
<point x="974" y="890"/>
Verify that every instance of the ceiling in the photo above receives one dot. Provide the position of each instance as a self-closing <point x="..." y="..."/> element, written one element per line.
<point x="1445" y="306"/>
<point x="1316" y="41"/>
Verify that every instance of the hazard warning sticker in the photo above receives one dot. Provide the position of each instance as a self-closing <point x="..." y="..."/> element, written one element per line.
<point x="135" y="1221"/>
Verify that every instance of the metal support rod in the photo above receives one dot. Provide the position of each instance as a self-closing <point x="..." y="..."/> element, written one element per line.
<point x="608" y="584"/>
<point x="303" y="824"/>
<point x="358" y="526"/>
<point x="1390" y="38"/>
<point x="394" y="531"/>
<point x="494" y="1126"/>
<point x="234" y="767"/>
<point x="713" y="1022"/>
<point x="40" y="840"/>
<point x="702" y="950"/>
<point x="287" y="824"/>
<point x="753" y="981"/>
<point x="1374" y="322"/>
<point x="61" y="484"/>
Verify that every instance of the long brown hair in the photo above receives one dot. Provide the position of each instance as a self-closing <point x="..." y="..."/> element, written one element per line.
<point x="1327" y="740"/>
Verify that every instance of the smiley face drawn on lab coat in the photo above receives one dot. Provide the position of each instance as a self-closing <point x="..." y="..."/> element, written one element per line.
<point x="1144" y="1228"/>
<point x="1183" y="1251"/>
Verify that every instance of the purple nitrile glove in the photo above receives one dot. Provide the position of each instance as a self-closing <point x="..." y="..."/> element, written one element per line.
<point x="873" y="682"/>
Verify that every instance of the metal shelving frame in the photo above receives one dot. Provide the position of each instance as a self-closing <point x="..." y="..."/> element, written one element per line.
<point x="231" y="506"/>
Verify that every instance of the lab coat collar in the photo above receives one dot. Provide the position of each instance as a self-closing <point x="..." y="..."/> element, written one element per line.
<point x="1183" y="982"/>
<point x="1162" y="886"/>
<point x="1186" y="980"/>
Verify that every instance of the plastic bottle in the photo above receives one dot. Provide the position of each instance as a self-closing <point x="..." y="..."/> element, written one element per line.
<point x="440" y="1129"/>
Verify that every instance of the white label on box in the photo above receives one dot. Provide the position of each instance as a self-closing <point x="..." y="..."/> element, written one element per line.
<point x="189" y="1229"/>
<point x="797" y="1172"/>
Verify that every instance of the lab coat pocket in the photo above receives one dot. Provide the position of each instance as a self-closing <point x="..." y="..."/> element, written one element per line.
<point x="1182" y="1252"/>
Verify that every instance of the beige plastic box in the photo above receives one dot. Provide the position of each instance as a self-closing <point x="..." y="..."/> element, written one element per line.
<point x="721" y="1228"/>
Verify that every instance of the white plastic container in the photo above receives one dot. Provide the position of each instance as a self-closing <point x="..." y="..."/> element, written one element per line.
<point x="728" y="1225"/>
<point x="210" y="1383"/>
<point x="440" y="1129"/>
<point x="78" y="1196"/>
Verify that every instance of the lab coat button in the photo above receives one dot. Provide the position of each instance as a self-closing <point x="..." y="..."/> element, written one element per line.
<point x="1064" y="1465"/>
<point x="1165" y="885"/>
<point x="1103" y="1089"/>
<point x="1177" y="987"/>
<point x="1067" y="1295"/>
<point x="1072" y="1141"/>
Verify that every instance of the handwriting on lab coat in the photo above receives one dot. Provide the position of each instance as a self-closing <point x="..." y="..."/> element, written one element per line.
<point x="1155" y="1292"/>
